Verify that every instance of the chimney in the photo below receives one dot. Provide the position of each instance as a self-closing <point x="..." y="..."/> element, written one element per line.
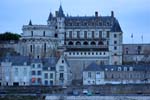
<point x="56" y="13"/>
<point x="96" y="14"/>
<point x="112" y="13"/>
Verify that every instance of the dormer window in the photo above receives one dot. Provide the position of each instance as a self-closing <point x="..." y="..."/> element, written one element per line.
<point x="62" y="61"/>
<point x="125" y="69"/>
<point x="130" y="68"/>
<point x="119" y="68"/>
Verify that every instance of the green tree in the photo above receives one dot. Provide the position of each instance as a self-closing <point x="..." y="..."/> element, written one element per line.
<point x="9" y="36"/>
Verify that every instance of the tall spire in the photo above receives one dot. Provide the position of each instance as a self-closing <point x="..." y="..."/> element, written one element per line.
<point x="50" y="16"/>
<point x="30" y="22"/>
<point x="60" y="12"/>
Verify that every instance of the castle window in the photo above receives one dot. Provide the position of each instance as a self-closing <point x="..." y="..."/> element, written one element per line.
<point x="43" y="33"/>
<point x="85" y="43"/>
<point x="104" y="53"/>
<point x="78" y="34"/>
<point x="100" y="43"/>
<point x="93" y="43"/>
<point x="30" y="48"/>
<point x="78" y="43"/>
<point x="70" y="43"/>
<point x="44" y="47"/>
<point x="55" y="27"/>
<point x="70" y="34"/>
<point x="107" y="33"/>
<point x="62" y="61"/>
<point x="85" y="34"/>
<point x="31" y="33"/>
<point x="56" y="35"/>
<point x="115" y="35"/>
<point x="100" y="23"/>
<point x="93" y="34"/>
<point x="100" y="34"/>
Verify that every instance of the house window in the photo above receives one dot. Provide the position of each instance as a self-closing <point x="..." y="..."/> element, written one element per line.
<point x="46" y="82"/>
<point x="16" y="71"/>
<point x="115" y="42"/>
<point x="39" y="72"/>
<point x="61" y="68"/>
<point x="39" y="65"/>
<point x="115" y="48"/>
<point x="33" y="65"/>
<point x="39" y="80"/>
<point x="46" y="75"/>
<point x="62" y="61"/>
<point x="51" y="83"/>
<point x="51" y="75"/>
<point x="25" y="72"/>
<point x="89" y="75"/>
<point x="33" y="73"/>
<point x="61" y="76"/>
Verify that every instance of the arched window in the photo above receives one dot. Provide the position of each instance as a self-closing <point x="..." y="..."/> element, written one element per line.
<point x="93" y="43"/>
<point x="100" y="43"/>
<point x="70" y="43"/>
<point x="85" y="43"/>
<point x="78" y="43"/>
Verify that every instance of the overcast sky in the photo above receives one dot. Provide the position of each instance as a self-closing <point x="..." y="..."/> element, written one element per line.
<point x="133" y="15"/>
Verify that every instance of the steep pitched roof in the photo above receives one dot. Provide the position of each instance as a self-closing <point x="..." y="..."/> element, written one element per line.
<point x="116" y="27"/>
<point x="94" y="67"/>
<point x="60" y="12"/>
<point x="50" y="16"/>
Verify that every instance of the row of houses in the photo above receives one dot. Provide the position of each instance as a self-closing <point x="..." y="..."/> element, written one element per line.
<point x="96" y="74"/>
<point x="52" y="71"/>
<point x="24" y="71"/>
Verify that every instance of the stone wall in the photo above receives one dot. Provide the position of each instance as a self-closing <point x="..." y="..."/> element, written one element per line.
<point x="97" y="98"/>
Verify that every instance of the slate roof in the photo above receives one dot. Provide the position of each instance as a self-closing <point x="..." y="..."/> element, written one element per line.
<point x="50" y="16"/>
<point x="95" y="67"/>
<point x="50" y="63"/>
<point x="17" y="60"/>
<point x="60" y="12"/>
